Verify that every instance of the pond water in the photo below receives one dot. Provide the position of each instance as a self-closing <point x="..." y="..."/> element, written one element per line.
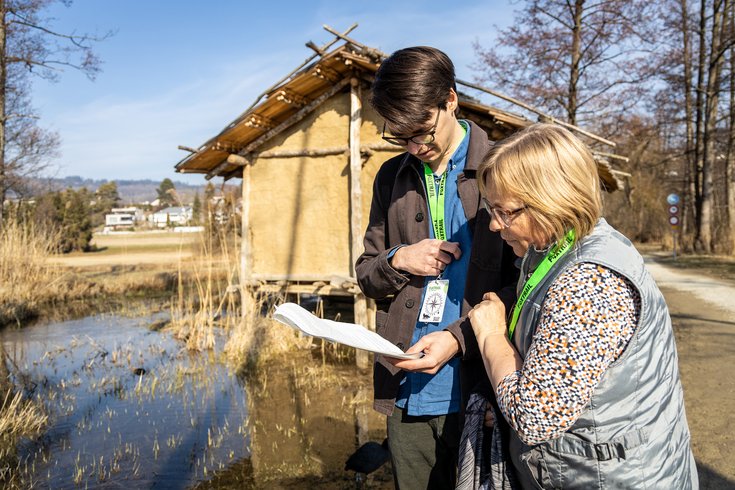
<point x="127" y="406"/>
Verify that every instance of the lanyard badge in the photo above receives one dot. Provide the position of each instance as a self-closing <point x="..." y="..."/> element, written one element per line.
<point x="435" y="298"/>
<point x="552" y="256"/>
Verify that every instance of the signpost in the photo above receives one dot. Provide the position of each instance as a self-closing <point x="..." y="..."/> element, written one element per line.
<point x="673" y="202"/>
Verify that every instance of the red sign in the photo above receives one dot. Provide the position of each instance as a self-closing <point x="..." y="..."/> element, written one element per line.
<point x="674" y="220"/>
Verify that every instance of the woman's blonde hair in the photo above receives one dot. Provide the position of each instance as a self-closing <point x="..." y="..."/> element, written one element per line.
<point x="552" y="172"/>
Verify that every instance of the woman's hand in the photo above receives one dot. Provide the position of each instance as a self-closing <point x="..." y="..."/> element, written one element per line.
<point x="438" y="348"/>
<point x="488" y="317"/>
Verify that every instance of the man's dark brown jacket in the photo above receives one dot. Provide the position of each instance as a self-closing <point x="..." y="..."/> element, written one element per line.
<point x="399" y="215"/>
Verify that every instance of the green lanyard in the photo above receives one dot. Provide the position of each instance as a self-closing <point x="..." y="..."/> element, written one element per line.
<point x="436" y="201"/>
<point x="553" y="255"/>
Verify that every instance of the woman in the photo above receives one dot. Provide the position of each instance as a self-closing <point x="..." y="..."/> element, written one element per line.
<point x="585" y="368"/>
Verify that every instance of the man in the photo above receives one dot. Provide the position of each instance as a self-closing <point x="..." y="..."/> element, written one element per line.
<point x="424" y="217"/>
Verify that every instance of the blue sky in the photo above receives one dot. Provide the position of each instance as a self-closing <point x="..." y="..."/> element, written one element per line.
<point x="178" y="71"/>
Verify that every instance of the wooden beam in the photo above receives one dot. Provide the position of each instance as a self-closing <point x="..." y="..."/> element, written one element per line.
<point x="246" y="257"/>
<point x="284" y="79"/>
<point x="261" y="122"/>
<point x="315" y="48"/>
<point x="362" y="358"/>
<point x="234" y="159"/>
<point x="368" y="50"/>
<point x="317" y="289"/>
<point x="355" y="172"/>
<point x="295" y="117"/>
<point x="326" y="73"/>
<point x="382" y="147"/>
<point x="319" y="152"/>
<point x="331" y="279"/>
<point x="187" y="148"/>
<point x="611" y="155"/>
<point x="290" y="97"/>
<point x="619" y="174"/>
<point x="247" y="151"/>
<point x="536" y="111"/>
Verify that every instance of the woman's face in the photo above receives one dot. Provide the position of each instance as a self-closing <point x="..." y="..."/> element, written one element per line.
<point x="509" y="216"/>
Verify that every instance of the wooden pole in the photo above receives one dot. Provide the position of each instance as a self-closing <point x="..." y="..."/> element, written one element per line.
<point x="360" y="308"/>
<point x="319" y="52"/>
<point x="536" y="111"/>
<point x="234" y="159"/>
<point x="246" y="259"/>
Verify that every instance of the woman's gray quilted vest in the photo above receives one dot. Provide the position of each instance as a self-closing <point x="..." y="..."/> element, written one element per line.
<point x="633" y="433"/>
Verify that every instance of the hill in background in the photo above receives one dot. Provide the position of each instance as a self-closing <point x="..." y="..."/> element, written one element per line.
<point x="130" y="191"/>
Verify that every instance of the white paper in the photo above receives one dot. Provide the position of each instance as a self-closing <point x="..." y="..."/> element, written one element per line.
<point x="350" y="334"/>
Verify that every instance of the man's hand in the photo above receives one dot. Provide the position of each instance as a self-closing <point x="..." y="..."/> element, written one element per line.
<point x="438" y="348"/>
<point x="428" y="257"/>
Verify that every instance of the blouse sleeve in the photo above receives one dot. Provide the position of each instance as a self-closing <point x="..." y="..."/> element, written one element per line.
<point x="589" y="315"/>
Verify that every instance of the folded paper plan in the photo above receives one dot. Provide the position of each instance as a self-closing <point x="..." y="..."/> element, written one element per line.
<point x="350" y="334"/>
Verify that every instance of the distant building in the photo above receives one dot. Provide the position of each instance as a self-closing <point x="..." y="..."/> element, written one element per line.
<point x="171" y="216"/>
<point x="123" y="217"/>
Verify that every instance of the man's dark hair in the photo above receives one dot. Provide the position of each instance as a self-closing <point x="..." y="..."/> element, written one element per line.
<point x="409" y="84"/>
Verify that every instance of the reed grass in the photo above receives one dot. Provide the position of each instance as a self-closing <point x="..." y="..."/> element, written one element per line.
<point x="26" y="280"/>
<point x="209" y="296"/>
<point x="18" y="418"/>
<point x="204" y="300"/>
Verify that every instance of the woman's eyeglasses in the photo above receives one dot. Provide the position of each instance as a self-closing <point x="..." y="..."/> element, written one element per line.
<point x="503" y="216"/>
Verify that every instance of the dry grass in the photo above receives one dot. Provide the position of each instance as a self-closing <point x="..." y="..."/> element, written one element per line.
<point x="208" y="298"/>
<point x="34" y="281"/>
<point x="205" y="299"/>
<point x="18" y="418"/>
<point x="26" y="280"/>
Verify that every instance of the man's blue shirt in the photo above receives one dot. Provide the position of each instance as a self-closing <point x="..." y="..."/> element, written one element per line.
<point x="439" y="394"/>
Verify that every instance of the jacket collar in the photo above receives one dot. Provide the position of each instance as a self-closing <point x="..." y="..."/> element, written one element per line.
<point x="478" y="147"/>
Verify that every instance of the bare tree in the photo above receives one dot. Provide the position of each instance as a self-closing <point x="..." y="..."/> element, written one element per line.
<point x="703" y="239"/>
<point x="580" y="60"/>
<point x="699" y="74"/>
<point x="29" y="45"/>
<point x="730" y="158"/>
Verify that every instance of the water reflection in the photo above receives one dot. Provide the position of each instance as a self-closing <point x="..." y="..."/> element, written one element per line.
<point x="125" y="405"/>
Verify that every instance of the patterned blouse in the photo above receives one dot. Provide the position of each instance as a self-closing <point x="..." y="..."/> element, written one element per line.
<point x="589" y="315"/>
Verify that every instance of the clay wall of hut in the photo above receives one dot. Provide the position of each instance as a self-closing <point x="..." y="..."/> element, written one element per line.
<point x="300" y="205"/>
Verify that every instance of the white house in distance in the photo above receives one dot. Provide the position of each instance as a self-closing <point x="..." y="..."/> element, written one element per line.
<point x="172" y="216"/>
<point x="123" y="217"/>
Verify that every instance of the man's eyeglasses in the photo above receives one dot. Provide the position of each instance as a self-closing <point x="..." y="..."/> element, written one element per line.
<point x="503" y="216"/>
<point x="419" y="139"/>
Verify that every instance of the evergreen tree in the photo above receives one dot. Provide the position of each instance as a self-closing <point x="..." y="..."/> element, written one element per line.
<point x="106" y="198"/>
<point x="68" y="213"/>
<point x="167" y="193"/>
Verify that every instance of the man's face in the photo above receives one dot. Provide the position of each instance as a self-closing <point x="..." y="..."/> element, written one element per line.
<point x="430" y="141"/>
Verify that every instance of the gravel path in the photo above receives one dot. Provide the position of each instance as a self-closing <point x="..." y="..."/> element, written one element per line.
<point x="716" y="293"/>
<point x="703" y="315"/>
